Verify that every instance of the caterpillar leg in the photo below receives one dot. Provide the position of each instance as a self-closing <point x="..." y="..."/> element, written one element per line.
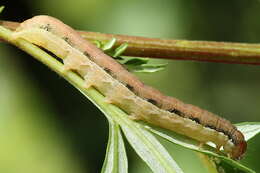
<point x="201" y="144"/>
<point x="218" y="147"/>
<point x="68" y="64"/>
<point x="135" y="117"/>
<point x="108" y="100"/>
<point x="74" y="61"/>
<point x="112" y="91"/>
<point x="87" y="85"/>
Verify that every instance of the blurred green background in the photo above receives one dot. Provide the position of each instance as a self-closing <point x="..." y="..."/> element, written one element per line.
<point x="46" y="125"/>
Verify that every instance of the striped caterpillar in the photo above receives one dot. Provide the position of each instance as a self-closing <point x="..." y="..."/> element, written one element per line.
<point x="123" y="89"/>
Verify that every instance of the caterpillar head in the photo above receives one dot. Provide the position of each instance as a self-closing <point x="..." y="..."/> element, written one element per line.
<point x="240" y="146"/>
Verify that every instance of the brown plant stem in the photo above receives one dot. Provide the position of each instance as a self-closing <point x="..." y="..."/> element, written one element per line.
<point x="236" y="53"/>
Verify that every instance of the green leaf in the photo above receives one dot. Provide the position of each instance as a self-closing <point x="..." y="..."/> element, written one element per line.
<point x="249" y="129"/>
<point x="151" y="151"/>
<point x="109" y="45"/>
<point x="97" y="43"/>
<point x="133" y="64"/>
<point x="146" y="145"/>
<point x="194" y="145"/>
<point x="140" y="65"/>
<point x="133" y="60"/>
<point x="1" y="8"/>
<point x="122" y="161"/>
<point x="116" y="159"/>
<point x="120" y="50"/>
<point x="147" y="68"/>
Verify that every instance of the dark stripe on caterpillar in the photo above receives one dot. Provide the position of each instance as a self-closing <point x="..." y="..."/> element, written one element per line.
<point x="86" y="54"/>
<point x="108" y="70"/>
<point x="177" y="112"/>
<point x="154" y="102"/>
<point x="131" y="88"/>
<point x="68" y="41"/>
<point x="46" y="27"/>
<point x="196" y="120"/>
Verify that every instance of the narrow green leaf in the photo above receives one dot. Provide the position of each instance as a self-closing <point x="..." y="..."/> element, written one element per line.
<point x="109" y="44"/>
<point x="140" y="65"/>
<point x="208" y="163"/>
<point x="1" y="8"/>
<point x="151" y="151"/>
<point x="147" y="68"/>
<point x="119" y="50"/>
<point x="133" y="64"/>
<point x="134" y="60"/>
<point x="110" y="163"/>
<point x="249" y="129"/>
<point x="116" y="159"/>
<point x="194" y="145"/>
<point x="147" y="146"/>
<point x="97" y="43"/>
<point x="122" y="161"/>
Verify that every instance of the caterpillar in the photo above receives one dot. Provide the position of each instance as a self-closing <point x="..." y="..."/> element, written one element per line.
<point x="126" y="91"/>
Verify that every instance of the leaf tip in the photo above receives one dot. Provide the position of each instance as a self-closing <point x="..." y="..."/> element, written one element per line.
<point x="2" y="8"/>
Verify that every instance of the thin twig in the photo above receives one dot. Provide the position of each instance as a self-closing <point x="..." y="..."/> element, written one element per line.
<point x="236" y="53"/>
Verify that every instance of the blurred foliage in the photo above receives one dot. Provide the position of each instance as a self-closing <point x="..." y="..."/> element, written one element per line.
<point x="43" y="101"/>
<point x="31" y="139"/>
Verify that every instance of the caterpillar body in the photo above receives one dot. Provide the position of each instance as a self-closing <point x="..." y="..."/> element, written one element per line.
<point x="123" y="89"/>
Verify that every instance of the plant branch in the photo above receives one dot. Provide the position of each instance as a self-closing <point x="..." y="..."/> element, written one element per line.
<point x="235" y="53"/>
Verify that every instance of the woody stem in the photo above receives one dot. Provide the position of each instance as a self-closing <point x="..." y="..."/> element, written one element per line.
<point x="235" y="53"/>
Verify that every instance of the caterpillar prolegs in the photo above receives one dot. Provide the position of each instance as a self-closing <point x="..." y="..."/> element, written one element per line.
<point x="125" y="90"/>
